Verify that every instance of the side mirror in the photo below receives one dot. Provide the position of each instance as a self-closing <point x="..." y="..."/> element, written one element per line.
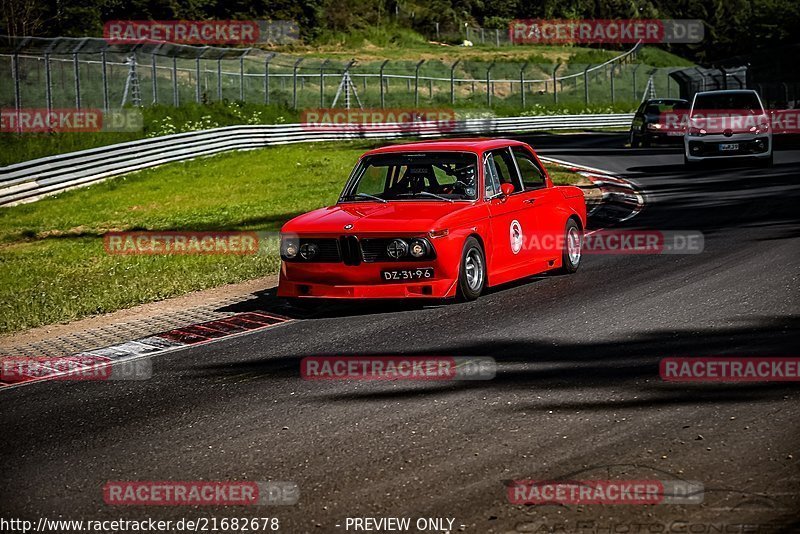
<point x="507" y="189"/>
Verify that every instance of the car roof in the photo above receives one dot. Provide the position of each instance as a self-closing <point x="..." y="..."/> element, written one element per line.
<point x="726" y="92"/>
<point x="469" y="145"/>
<point x="667" y="100"/>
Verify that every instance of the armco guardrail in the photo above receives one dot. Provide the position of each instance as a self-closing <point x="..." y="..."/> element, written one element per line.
<point x="30" y="180"/>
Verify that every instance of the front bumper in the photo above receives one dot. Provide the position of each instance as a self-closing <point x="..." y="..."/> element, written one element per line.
<point x="707" y="147"/>
<point x="365" y="281"/>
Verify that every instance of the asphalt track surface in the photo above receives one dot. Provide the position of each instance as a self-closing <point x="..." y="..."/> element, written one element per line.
<point x="577" y="394"/>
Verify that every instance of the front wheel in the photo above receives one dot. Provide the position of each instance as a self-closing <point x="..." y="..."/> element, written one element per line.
<point x="573" y="242"/>
<point x="472" y="270"/>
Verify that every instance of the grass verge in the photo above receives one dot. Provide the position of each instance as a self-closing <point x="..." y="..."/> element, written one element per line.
<point x="54" y="265"/>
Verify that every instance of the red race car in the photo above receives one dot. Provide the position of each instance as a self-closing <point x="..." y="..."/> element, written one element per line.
<point x="435" y="220"/>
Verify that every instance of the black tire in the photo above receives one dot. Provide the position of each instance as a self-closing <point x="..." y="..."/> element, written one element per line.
<point x="634" y="141"/>
<point x="570" y="264"/>
<point x="473" y="264"/>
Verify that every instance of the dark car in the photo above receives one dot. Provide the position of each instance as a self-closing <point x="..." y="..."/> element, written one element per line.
<point x="659" y="121"/>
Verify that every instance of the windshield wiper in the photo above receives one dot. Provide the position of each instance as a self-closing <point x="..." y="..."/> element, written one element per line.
<point x="367" y="195"/>
<point x="427" y="194"/>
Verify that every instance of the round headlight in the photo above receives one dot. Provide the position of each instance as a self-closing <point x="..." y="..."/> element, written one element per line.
<point x="397" y="248"/>
<point x="418" y="248"/>
<point x="290" y="248"/>
<point x="308" y="251"/>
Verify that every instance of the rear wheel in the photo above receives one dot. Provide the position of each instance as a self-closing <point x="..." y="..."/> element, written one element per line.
<point x="573" y="247"/>
<point x="472" y="270"/>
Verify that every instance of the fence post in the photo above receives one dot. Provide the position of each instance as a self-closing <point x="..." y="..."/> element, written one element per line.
<point x="219" y="79"/>
<point x="175" y="81"/>
<point x="416" y="83"/>
<point x="612" y="84"/>
<point x="48" y="90"/>
<point x="555" y="85"/>
<point x="15" y="75"/>
<point x="669" y="83"/>
<point x="77" y="73"/>
<point x="453" y="82"/>
<point x="586" y="84"/>
<point x="266" y="76"/>
<point x="634" y="79"/>
<point x="241" y="77"/>
<point x="294" y="82"/>
<point x="489" y="84"/>
<point x="322" y="83"/>
<point x="522" y="83"/>
<point x="383" y="65"/>
<point x="155" y="82"/>
<point x="497" y="37"/>
<point x="197" y="79"/>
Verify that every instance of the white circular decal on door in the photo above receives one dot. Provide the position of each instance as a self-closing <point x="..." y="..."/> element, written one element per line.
<point x="515" y="235"/>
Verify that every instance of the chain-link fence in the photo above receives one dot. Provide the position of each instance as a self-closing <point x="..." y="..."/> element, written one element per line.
<point x="89" y="73"/>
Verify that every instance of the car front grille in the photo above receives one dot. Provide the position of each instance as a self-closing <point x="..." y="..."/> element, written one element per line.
<point x="375" y="250"/>
<point x="351" y="252"/>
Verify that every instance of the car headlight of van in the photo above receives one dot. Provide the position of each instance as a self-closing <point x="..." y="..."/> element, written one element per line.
<point x="696" y="132"/>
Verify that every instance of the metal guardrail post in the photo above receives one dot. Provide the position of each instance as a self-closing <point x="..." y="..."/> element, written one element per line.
<point x="522" y="83"/>
<point x="497" y="37"/>
<point x="294" y="82"/>
<point x="416" y="83"/>
<point x="175" y="99"/>
<point x="489" y="84"/>
<point x="322" y="84"/>
<point x="586" y="84"/>
<point x="266" y="76"/>
<point x="555" y="86"/>
<point x="453" y="81"/>
<point x="383" y="65"/>
<point x="47" y="80"/>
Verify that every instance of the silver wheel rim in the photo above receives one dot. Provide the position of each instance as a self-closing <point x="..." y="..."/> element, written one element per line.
<point x="473" y="268"/>
<point x="574" y="245"/>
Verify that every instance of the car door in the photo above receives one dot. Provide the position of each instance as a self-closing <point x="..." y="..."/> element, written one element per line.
<point x="547" y="230"/>
<point x="510" y="218"/>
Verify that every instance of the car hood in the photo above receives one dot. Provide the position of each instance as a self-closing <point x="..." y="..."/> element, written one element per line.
<point x="377" y="217"/>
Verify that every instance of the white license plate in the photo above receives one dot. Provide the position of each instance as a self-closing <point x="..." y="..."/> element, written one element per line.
<point x="401" y="275"/>
<point x="728" y="147"/>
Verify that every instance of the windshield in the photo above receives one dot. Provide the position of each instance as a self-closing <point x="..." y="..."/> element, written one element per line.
<point x="420" y="176"/>
<point x="728" y="103"/>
